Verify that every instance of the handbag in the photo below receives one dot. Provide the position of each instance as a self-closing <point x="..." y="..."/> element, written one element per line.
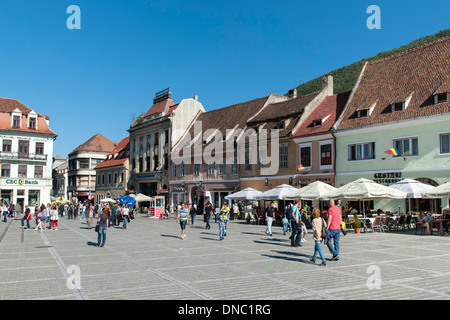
<point x="97" y="227"/>
<point x="326" y="234"/>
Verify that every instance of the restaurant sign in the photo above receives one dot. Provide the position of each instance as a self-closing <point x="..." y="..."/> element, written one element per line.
<point x="387" y="177"/>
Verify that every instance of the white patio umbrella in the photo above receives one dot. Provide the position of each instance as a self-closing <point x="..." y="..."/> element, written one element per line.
<point x="363" y="189"/>
<point x="141" y="197"/>
<point x="246" y="194"/>
<point x="276" y="193"/>
<point x="413" y="188"/>
<point x="442" y="191"/>
<point x="313" y="191"/>
<point x="108" y="200"/>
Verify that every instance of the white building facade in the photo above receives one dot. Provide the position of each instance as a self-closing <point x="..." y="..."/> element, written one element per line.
<point x="25" y="155"/>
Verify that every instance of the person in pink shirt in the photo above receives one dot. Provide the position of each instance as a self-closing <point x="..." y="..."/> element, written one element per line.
<point x="334" y="226"/>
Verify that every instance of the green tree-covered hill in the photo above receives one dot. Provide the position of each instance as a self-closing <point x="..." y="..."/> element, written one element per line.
<point x="346" y="77"/>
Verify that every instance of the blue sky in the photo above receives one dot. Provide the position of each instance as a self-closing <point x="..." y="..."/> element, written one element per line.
<point x="93" y="80"/>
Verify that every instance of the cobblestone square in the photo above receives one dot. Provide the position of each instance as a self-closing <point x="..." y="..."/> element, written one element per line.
<point x="149" y="261"/>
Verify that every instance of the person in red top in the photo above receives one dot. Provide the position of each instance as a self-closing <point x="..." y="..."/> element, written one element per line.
<point x="334" y="226"/>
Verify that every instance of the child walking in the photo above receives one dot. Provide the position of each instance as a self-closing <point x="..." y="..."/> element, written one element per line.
<point x="221" y="217"/>
<point x="285" y="222"/>
<point x="318" y="225"/>
<point x="39" y="221"/>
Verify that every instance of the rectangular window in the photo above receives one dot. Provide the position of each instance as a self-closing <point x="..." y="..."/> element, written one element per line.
<point x="39" y="148"/>
<point x="38" y="172"/>
<point x="16" y="121"/>
<point x="248" y="165"/>
<point x="361" y="151"/>
<point x="212" y="169"/>
<point x="222" y="169"/>
<point x="174" y="170"/>
<point x="22" y="171"/>
<point x="326" y="155"/>
<point x="305" y="156"/>
<point x="83" y="164"/>
<point x="284" y="156"/>
<point x="6" y="170"/>
<point x="7" y="145"/>
<point x="444" y="140"/>
<point x="32" y="123"/>
<point x="197" y="170"/>
<point x="234" y="166"/>
<point x="182" y="170"/>
<point x="407" y="146"/>
<point x="24" y="148"/>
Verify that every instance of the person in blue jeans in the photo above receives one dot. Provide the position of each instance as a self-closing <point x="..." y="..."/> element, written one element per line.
<point x="103" y="222"/>
<point x="318" y="224"/>
<point x="221" y="225"/>
<point x="27" y="217"/>
<point x="334" y="226"/>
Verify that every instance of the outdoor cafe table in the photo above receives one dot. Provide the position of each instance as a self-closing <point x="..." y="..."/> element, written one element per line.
<point x="364" y="220"/>
<point x="441" y="225"/>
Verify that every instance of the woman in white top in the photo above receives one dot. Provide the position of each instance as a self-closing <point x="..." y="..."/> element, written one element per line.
<point x="54" y="218"/>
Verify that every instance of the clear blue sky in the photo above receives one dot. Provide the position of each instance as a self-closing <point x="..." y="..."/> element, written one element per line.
<point x="92" y="80"/>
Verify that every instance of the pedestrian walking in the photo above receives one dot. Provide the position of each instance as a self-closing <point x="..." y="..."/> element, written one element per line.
<point x="269" y="214"/>
<point x="89" y="216"/>
<point x="114" y="214"/>
<point x="5" y="211"/>
<point x="125" y="216"/>
<point x="39" y="217"/>
<point x="296" y="225"/>
<point x="54" y="217"/>
<point x="26" y="217"/>
<point x="235" y="211"/>
<point x="192" y="213"/>
<point x="334" y="226"/>
<point x="318" y="226"/>
<point x="285" y="222"/>
<point x="226" y="211"/>
<point x="183" y="219"/>
<point x="207" y="215"/>
<point x="103" y="221"/>
<point x="222" y="225"/>
<point x="45" y="216"/>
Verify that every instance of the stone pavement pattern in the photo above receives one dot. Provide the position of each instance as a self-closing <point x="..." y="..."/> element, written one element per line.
<point x="150" y="261"/>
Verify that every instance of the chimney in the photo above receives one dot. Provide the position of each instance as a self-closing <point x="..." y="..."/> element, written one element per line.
<point x="293" y="93"/>
<point x="328" y="84"/>
<point x="162" y="96"/>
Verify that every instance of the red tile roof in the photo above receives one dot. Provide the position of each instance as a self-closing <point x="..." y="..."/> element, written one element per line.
<point x="97" y="143"/>
<point x="283" y="115"/>
<point x="118" y="156"/>
<point x="161" y="107"/>
<point x="330" y="109"/>
<point x="421" y="71"/>
<point x="7" y="106"/>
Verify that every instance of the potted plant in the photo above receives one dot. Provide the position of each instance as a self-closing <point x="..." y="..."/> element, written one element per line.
<point x="357" y="224"/>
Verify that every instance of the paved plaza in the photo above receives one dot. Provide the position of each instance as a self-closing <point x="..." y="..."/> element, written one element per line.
<point x="148" y="260"/>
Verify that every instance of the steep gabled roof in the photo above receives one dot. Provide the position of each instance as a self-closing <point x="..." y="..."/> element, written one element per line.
<point x="328" y="111"/>
<point x="282" y="115"/>
<point x="97" y="143"/>
<point x="7" y="106"/>
<point x="418" y="73"/>
<point x="118" y="156"/>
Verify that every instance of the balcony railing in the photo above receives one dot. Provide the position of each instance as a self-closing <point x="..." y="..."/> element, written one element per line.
<point x="22" y="156"/>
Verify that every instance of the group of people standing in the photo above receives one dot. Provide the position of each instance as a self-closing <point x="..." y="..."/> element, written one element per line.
<point x="295" y="222"/>
<point x="222" y="216"/>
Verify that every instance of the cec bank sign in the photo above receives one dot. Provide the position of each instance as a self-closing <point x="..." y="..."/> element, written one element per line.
<point x="18" y="182"/>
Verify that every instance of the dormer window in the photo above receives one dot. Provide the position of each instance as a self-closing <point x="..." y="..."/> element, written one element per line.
<point x="400" y="103"/>
<point x="32" y="124"/>
<point x="439" y="98"/>
<point x="317" y="123"/>
<point x="442" y="94"/>
<point x="279" y="126"/>
<point x="397" y="107"/>
<point x="16" y="121"/>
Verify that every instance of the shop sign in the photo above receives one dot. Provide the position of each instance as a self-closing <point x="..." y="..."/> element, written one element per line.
<point x="387" y="177"/>
<point x="20" y="182"/>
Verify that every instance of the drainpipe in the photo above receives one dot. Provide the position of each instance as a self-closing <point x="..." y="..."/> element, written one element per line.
<point x="334" y="156"/>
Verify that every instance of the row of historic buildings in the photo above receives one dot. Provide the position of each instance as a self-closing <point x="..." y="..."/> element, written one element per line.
<point x="185" y="153"/>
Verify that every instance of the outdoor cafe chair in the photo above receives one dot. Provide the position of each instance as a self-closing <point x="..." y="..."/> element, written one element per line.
<point x="377" y="224"/>
<point x="400" y="223"/>
<point x="350" y="222"/>
<point x="386" y="223"/>
<point x="419" y="226"/>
